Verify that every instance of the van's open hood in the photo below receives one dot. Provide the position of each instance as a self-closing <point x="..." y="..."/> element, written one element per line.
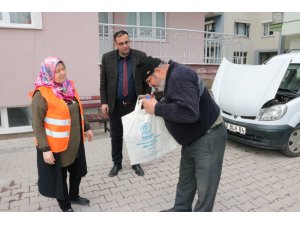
<point x="243" y="89"/>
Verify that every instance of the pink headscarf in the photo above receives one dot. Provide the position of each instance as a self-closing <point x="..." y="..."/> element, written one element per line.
<point x="46" y="78"/>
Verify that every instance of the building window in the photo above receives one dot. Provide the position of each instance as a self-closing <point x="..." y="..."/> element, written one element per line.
<point x="105" y="18"/>
<point x="266" y="29"/>
<point x="15" y="120"/>
<point x="240" y="57"/>
<point x="264" y="56"/>
<point x="210" y="26"/>
<point x="148" y="19"/>
<point x="31" y="20"/>
<point x="18" y="117"/>
<point x="242" y="29"/>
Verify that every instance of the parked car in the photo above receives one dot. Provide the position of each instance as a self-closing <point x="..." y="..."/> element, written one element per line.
<point x="260" y="104"/>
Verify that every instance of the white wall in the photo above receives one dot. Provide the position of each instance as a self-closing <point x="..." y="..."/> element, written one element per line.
<point x="71" y="36"/>
<point x="291" y="23"/>
<point x="255" y="42"/>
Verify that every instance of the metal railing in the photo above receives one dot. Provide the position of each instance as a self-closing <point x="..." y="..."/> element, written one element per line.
<point x="277" y="17"/>
<point x="181" y="45"/>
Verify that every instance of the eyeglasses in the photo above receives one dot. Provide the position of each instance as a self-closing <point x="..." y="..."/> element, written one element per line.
<point x="148" y="79"/>
<point x="123" y="43"/>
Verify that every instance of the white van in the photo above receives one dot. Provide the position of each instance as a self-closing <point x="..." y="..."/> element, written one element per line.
<point x="260" y="104"/>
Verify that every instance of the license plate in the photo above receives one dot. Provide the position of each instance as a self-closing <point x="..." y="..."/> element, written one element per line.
<point x="236" y="128"/>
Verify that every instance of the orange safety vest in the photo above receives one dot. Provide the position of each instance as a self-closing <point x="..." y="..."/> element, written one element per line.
<point x="57" y="122"/>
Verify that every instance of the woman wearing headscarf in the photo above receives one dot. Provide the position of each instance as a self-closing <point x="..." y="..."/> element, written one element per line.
<point x="59" y="127"/>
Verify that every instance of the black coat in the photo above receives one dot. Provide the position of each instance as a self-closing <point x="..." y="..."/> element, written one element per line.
<point x="50" y="176"/>
<point x="109" y="77"/>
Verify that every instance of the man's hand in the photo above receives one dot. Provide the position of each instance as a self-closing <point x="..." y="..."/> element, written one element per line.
<point x="105" y="110"/>
<point x="90" y="135"/>
<point x="149" y="104"/>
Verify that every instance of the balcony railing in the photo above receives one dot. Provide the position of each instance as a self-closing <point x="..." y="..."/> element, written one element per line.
<point x="181" y="45"/>
<point x="277" y="17"/>
<point x="277" y="21"/>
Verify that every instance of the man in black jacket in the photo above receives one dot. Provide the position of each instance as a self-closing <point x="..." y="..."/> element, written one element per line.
<point x="119" y="88"/>
<point x="193" y="118"/>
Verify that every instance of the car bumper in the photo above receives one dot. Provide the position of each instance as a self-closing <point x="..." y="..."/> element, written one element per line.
<point x="262" y="136"/>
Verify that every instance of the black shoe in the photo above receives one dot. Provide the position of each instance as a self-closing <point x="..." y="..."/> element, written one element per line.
<point x="168" y="210"/>
<point x="114" y="171"/>
<point x="138" y="170"/>
<point x="80" y="201"/>
<point x="68" y="210"/>
<point x="174" y="210"/>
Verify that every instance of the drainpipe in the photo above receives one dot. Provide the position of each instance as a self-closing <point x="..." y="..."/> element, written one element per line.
<point x="281" y="44"/>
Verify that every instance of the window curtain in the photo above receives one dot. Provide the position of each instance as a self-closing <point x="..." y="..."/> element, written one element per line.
<point x="160" y="22"/>
<point x="20" y="17"/>
<point x="146" y="20"/>
<point x="131" y="19"/>
<point x="103" y="18"/>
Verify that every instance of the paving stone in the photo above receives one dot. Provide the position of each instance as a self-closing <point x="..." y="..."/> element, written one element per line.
<point x="4" y="206"/>
<point x="20" y="190"/>
<point x="139" y="206"/>
<point x="30" y="207"/>
<point x="219" y="207"/>
<point x="19" y="203"/>
<point x="109" y="205"/>
<point x="98" y="200"/>
<point x="131" y="192"/>
<point x="107" y="185"/>
<point x="155" y="201"/>
<point x="118" y="189"/>
<point x="142" y="196"/>
<point x="94" y="208"/>
<point x="10" y="198"/>
<point x="155" y="208"/>
<point x="5" y="193"/>
<point x="126" y="201"/>
<point x="114" y="196"/>
<point x="102" y="193"/>
<point x="252" y="180"/>
<point x="90" y="189"/>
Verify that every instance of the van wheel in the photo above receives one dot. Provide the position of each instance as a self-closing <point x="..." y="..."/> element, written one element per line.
<point x="293" y="145"/>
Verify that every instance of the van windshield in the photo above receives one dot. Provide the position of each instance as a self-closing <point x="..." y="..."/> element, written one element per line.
<point x="291" y="79"/>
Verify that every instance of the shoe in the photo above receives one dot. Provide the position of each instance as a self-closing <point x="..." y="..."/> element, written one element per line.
<point x="114" y="171"/>
<point x="80" y="201"/>
<point x="68" y="210"/>
<point x="174" y="210"/>
<point x="138" y="170"/>
<point x="168" y="210"/>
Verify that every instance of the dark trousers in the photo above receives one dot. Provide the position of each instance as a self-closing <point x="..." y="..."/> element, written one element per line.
<point x="74" y="183"/>
<point x="116" y="130"/>
<point x="200" y="170"/>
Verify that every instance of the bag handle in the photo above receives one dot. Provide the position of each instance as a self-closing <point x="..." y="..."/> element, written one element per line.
<point x="138" y="105"/>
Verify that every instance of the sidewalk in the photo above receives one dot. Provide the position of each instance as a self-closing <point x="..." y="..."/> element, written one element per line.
<point x="252" y="180"/>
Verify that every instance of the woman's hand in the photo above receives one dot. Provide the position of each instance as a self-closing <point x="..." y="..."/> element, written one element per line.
<point x="48" y="157"/>
<point x="90" y="135"/>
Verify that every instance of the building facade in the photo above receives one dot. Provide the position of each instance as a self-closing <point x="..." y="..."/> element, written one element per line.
<point x="197" y="39"/>
<point x="26" y="39"/>
<point x="259" y="42"/>
<point x="291" y="30"/>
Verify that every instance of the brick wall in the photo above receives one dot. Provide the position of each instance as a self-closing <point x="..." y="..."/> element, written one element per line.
<point x="206" y="71"/>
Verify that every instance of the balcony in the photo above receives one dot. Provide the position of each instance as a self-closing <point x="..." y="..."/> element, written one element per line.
<point x="182" y="45"/>
<point x="277" y="21"/>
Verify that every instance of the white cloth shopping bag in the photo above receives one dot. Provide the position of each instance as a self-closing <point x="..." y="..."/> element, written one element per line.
<point x="146" y="136"/>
